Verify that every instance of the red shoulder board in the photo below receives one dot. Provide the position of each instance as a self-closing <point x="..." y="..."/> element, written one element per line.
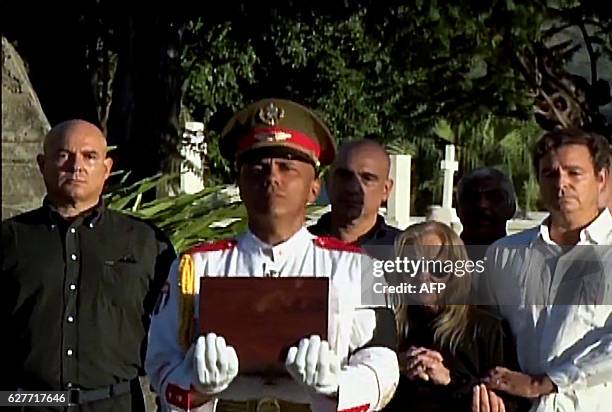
<point x="214" y="245"/>
<point x="328" y="242"/>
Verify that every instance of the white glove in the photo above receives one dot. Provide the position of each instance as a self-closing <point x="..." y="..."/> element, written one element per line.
<point x="314" y="365"/>
<point x="215" y="365"/>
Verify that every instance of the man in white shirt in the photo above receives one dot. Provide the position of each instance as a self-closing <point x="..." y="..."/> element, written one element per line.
<point x="553" y="283"/>
<point x="277" y="146"/>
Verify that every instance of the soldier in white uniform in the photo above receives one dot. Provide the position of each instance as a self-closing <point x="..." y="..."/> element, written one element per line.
<point x="277" y="146"/>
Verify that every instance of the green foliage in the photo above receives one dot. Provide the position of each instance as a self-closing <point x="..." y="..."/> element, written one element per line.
<point x="396" y="71"/>
<point x="187" y="219"/>
<point x="390" y="71"/>
<point x="217" y="66"/>
<point x="393" y="71"/>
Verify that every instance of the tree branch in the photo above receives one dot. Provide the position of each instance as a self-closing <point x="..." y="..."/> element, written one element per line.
<point x="592" y="55"/>
<point x="551" y="31"/>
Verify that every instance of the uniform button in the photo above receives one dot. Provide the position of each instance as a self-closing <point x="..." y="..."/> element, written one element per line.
<point x="70" y="319"/>
<point x="69" y="352"/>
<point x="72" y="286"/>
<point x="72" y="230"/>
<point x="73" y="256"/>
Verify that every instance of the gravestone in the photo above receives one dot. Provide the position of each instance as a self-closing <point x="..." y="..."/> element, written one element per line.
<point x="24" y="126"/>
<point x="190" y="166"/>
<point x="398" y="205"/>
<point x="446" y="213"/>
<point x="449" y="166"/>
<point x="193" y="150"/>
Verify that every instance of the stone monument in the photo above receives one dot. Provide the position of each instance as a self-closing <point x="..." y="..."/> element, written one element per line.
<point x="24" y="126"/>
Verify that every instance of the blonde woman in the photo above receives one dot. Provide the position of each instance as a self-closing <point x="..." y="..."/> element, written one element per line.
<point x="445" y="345"/>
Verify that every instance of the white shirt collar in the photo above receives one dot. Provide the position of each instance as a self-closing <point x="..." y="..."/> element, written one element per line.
<point x="295" y="243"/>
<point x="598" y="232"/>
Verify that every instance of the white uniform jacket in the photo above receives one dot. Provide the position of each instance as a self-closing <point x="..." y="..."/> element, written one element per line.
<point x="369" y="376"/>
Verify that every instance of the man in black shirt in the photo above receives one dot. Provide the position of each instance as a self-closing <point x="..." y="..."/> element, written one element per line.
<point x="359" y="184"/>
<point x="79" y="282"/>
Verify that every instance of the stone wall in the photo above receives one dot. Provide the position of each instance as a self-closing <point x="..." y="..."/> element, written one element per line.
<point x="23" y="128"/>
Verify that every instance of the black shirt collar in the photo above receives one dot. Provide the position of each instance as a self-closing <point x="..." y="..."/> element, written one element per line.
<point x="90" y="217"/>
<point x="378" y="231"/>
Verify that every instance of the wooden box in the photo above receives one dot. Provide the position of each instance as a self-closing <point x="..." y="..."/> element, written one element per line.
<point x="263" y="317"/>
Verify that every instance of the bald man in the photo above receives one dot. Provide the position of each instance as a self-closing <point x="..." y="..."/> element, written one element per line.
<point x="358" y="185"/>
<point x="80" y="282"/>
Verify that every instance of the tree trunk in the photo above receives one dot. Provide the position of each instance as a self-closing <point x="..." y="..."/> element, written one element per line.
<point x="147" y="93"/>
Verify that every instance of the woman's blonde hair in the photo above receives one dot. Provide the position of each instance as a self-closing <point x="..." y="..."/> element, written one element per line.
<point x="451" y="323"/>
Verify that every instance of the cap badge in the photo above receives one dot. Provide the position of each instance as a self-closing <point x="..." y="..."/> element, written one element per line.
<point x="271" y="114"/>
<point x="272" y="136"/>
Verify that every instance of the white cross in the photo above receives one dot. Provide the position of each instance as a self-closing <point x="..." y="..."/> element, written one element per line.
<point x="449" y="165"/>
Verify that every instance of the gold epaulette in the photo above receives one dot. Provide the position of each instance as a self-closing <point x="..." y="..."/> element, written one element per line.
<point x="187" y="304"/>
